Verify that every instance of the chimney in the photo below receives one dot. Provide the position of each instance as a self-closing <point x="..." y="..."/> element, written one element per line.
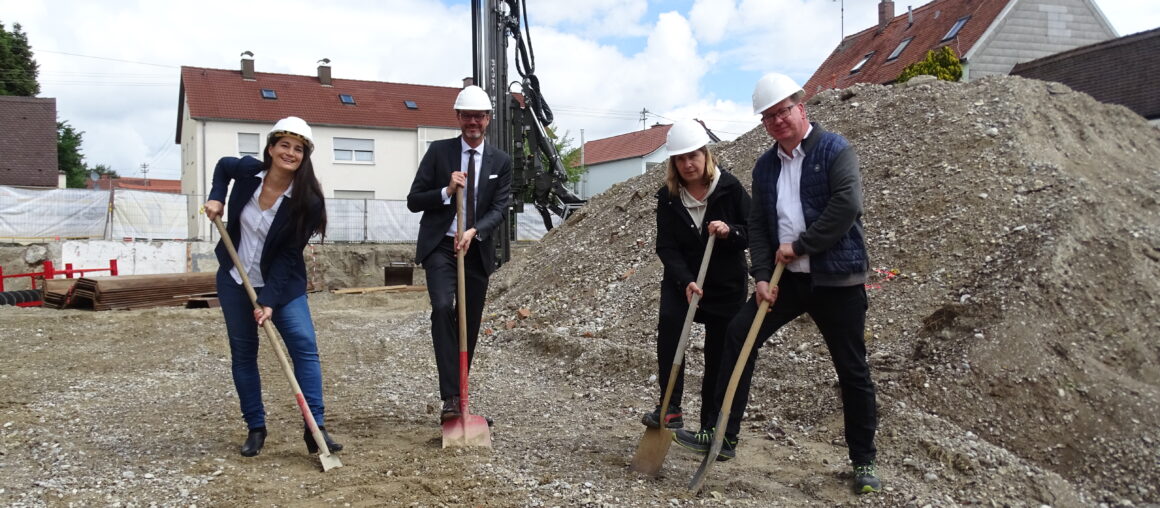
<point x="324" y="72"/>
<point x="885" y="13"/>
<point x="909" y="17"/>
<point x="248" y="65"/>
<point x="468" y="81"/>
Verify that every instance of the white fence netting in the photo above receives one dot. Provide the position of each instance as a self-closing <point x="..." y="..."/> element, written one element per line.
<point x="38" y="214"/>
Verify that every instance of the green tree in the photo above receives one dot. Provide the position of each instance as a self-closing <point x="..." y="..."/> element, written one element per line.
<point x="104" y="170"/>
<point x="68" y="155"/>
<point x="18" y="70"/>
<point x="569" y="156"/>
<point x="943" y="64"/>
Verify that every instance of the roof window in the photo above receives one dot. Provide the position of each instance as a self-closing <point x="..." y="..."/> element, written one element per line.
<point x="411" y="104"/>
<point x="955" y="29"/>
<point x="346" y="98"/>
<point x="269" y="93"/>
<point x="898" y="51"/>
<point x="857" y="67"/>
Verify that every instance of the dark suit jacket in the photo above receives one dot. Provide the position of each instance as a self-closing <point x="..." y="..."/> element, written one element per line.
<point x="492" y="197"/>
<point x="283" y="268"/>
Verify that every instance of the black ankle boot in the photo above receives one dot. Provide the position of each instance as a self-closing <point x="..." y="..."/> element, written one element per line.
<point x="254" y="442"/>
<point x="312" y="447"/>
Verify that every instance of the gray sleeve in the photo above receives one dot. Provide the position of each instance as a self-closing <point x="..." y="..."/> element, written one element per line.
<point x="842" y="210"/>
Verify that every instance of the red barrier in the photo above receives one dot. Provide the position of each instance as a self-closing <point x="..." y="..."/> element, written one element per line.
<point x="50" y="272"/>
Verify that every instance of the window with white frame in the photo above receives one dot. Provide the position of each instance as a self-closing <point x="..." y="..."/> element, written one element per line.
<point x="354" y="150"/>
<point x="248" y="144"/>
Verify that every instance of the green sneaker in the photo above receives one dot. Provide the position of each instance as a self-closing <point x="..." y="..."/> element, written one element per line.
<point x="866" y="479"/>
<point x="703" y="440"/>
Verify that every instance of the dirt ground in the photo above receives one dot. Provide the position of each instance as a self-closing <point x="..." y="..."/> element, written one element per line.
<point x="1013" y="227"/>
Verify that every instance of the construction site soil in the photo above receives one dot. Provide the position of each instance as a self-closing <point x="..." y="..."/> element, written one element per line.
<point x="1014" y="229"/>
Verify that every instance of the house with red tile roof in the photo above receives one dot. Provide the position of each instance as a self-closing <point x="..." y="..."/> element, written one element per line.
<point x="369" y="135"/>
<point x="28" y="142"/>
<point x="616" y="159"/>
<point x="1120" y="71"/>
<point x="989" y="36"/>
<point x="141" y="184"/>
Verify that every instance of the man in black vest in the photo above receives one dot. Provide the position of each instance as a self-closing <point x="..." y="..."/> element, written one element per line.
<point x="806" y="214"/>
<point x="485" y="172"/>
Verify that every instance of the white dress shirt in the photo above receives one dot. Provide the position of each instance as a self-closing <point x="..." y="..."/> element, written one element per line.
<point x="791" y="221"/>
<point x="464" y="147"/>
<point x="255" y="225"/>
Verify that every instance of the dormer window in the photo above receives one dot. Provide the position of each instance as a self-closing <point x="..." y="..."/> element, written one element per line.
<point x="347" y="99"/>
<point x="857" y="67"/>
<point x="898" y="51"/>
<point x="269" y="93"/>
<point x="955" y="29"/>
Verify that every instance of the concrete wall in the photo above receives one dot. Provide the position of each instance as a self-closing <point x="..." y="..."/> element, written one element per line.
<point x="1031" y="29"/>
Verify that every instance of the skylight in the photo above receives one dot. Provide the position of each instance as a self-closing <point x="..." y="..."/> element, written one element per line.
<point x="346" y="98"/>
<point x="269" y="93"/>
<point x="898" y="51"/>
<point x="862" y="62"/>
<point x="955" y="29"/>
<point x="411" y="104"/>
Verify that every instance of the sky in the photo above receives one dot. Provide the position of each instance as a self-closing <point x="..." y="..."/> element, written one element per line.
<point x="113" y="66"/>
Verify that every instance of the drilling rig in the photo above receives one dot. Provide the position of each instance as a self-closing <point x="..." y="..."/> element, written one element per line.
<point x="519" y="122"/>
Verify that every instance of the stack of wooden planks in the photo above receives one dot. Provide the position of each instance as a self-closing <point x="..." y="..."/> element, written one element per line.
<point x="378" y="289"/>
<point x="140" y="291"/>
<point x="57" y="292"/>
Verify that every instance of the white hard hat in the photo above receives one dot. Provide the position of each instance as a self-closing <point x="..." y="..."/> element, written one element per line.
<point x="292" y="126"/>
<point x="686" y="136"/>
<point x="771" y="89"/>
<point x="473" y="98"/>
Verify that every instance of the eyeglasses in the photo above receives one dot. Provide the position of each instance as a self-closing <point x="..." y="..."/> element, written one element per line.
<point x="478" y="117"/>
<point x="778" y="114"/>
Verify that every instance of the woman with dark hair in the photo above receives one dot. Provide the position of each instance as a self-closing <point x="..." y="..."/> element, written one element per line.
<point x="275" y="207"/>
<point x="697" y="200"/>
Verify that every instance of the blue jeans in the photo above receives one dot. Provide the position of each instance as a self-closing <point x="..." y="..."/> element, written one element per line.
<point x="297" y="330"/>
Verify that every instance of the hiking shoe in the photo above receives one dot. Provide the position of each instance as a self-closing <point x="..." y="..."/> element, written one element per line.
<point x="703" y="440"/>
<point x="866" y="479"/>
<point x="673" y="418"/>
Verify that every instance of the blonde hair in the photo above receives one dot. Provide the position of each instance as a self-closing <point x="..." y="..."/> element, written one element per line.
<point x="673" y="177"/>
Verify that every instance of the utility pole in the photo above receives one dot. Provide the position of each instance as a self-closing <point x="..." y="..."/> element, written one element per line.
<point x="145" y="172"/>
<point x="643" y="118"/>
<point x="842" y="18"/>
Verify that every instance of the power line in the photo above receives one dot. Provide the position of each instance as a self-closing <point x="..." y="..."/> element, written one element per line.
<point x="105" y="58"/>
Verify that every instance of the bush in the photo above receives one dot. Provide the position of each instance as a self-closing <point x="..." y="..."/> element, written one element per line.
<point x="943" y="64"/>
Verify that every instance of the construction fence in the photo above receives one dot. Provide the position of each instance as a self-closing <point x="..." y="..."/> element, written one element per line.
<point x="33" y="215"/>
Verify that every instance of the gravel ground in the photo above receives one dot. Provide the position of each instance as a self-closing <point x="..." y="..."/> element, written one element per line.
<point x="1012" y="333"/>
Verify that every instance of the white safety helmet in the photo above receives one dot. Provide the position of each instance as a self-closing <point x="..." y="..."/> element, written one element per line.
<point x="292" y="126"/>
<point x="473" y="98"/>
<point x="686" y="136"/>
<point x="771" y="89"/>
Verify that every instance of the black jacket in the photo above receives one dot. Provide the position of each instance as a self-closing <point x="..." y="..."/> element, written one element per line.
<point x="681" y="247"/>
<point x="283" y="268"/>
<point x="492" y="197"/>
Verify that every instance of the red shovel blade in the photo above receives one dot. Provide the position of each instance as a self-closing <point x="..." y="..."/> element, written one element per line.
<point x="466" y="430"/>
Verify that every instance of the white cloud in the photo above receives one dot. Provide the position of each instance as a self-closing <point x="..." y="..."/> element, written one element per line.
<point x="592" y="18"/>
<point x="712" y="20"/>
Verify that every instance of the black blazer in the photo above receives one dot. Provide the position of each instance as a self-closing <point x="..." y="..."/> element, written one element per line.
<point x="283" y="268"/>
<point x="492" y="197"/>
<point x="681" y="247"/>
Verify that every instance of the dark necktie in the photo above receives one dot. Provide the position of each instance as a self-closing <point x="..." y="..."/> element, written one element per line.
<point x="469" y="207"/>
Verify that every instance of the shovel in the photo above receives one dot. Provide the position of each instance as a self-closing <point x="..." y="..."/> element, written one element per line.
<point x="466" y="429"/>
<point x="727" y="403"/>
<point x="654" y="445"/>
<point x="328" y="461"/>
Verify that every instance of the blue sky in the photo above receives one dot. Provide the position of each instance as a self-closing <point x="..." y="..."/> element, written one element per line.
<point x="113" y="65"/>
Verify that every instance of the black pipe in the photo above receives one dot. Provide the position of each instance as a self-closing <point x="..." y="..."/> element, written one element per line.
<point x="20" y="296"/>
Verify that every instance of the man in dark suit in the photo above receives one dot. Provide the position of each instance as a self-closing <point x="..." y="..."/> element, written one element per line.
<point x="463" y="162"/>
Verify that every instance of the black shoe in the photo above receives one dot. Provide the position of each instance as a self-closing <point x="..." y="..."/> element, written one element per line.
<point x="450" y="409"/>
<point x="254" y="442"/>
<point x="312" y="447"/>
<point x="703" y="440"/>
<point x="866" y="479"/>
<point x="673" y="418"/>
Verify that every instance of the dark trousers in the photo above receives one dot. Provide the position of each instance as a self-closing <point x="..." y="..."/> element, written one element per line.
<point x="668" y="337"/>
<point x="441" y="288"/>
<point x="840" y="314"/>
